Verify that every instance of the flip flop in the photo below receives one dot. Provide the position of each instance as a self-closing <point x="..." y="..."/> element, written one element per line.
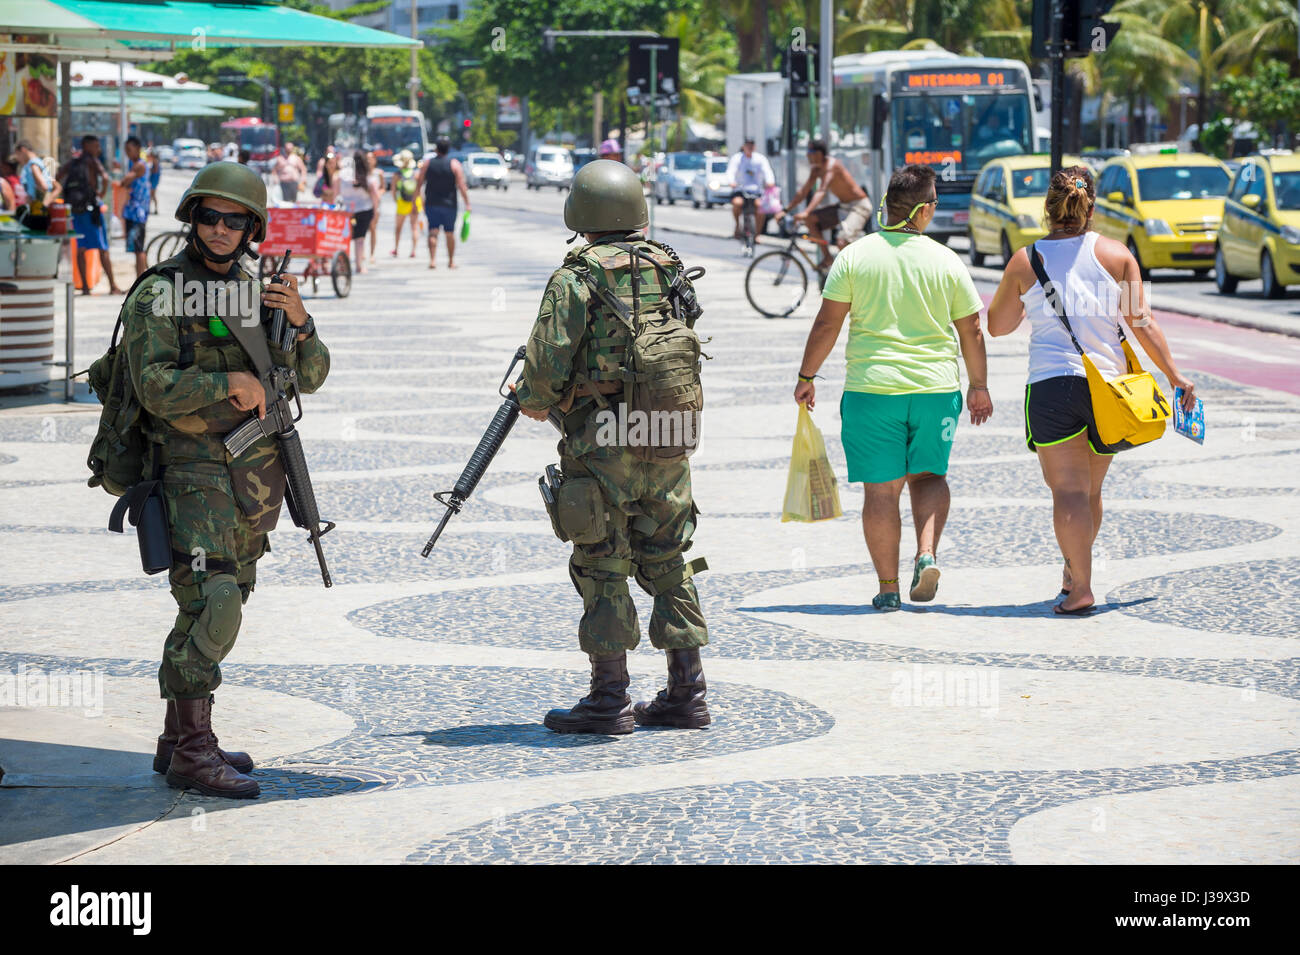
<point x="887" y="602"/>
<point x="1060" y="611"/>
<point x="925" y="579"/>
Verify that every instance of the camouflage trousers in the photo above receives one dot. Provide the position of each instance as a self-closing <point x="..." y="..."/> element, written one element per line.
<point x="650" y="517"/>
<point x="214" y="566"/>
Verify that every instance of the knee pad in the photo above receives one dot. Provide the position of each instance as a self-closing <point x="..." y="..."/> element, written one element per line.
<point x="217" y="625"/>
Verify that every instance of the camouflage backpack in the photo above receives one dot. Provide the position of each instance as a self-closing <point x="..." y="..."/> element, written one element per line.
<point x="121" y="450"/>
<point x="660" y="364"/>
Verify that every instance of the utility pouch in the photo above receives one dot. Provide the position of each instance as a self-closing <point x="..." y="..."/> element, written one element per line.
<point x="580" y="510"/>
<point x="549" y="485"/>
<point x="144" y="507"/>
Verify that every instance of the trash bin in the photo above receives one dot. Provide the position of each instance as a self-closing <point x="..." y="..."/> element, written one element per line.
<point x="28" y="265"/>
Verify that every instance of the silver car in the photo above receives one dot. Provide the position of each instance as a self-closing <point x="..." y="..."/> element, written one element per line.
<point x="549" y="166"/>
<point x="673" y="179"/>
<point x="710" y="186"/>
<point x="486" y="169"/>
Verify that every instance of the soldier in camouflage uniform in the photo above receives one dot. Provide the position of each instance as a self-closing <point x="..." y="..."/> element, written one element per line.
<point x="196" y="384"/>
<point x="572" y="367"/>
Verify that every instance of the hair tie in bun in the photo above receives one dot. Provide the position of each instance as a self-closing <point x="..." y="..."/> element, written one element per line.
<point x="1080" y="184"/>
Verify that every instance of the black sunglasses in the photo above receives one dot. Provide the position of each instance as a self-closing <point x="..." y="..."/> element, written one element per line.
<point x="235" y="221"/>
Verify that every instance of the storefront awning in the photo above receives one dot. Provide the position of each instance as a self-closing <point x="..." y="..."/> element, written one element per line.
<point x="145" y="24"/>
<point x="197" y="104"/>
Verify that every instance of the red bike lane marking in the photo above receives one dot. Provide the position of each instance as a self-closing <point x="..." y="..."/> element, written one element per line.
<point x="1243" y="355"/>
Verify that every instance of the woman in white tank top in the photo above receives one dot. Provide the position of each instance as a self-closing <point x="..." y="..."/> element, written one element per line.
<point x="1100" y="286"/>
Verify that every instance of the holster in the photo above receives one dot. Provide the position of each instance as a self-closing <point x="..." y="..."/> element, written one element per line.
<point x="144" y="507"/>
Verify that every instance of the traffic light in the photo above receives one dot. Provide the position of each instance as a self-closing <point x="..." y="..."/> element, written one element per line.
<point x="797" y="69"/>
<point x="1082" y="29"/>
<point x="1094" y="35"/>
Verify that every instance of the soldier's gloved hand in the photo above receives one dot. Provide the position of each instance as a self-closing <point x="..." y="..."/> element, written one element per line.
<point x="528" y="413"/>
<point x="284" y="294"/>
<point x="247" y="393"/>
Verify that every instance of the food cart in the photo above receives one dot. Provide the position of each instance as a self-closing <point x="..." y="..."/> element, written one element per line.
<point x="315" y="233"/>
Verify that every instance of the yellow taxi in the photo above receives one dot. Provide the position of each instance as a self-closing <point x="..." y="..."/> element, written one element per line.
<point x="1165" y="206"/>
<point x="1260" y="236"/>
<point x="1006" y="204"/>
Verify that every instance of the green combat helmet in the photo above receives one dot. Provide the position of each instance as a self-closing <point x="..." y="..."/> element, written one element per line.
<point x="228" y="180"/>
<point x="606" y="196"/>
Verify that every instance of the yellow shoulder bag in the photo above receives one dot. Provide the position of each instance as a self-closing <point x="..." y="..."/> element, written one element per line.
<point x="1130" y="410"/>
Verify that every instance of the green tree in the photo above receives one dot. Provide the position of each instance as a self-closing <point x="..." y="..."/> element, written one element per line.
<point x="1269" y="97"/>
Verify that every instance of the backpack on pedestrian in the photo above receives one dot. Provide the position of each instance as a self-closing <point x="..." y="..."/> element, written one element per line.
<point x="77" y="191"/>
<point x="406" y="186"/>
<point x="660" y="365"/>
<point x="120" y="452"/>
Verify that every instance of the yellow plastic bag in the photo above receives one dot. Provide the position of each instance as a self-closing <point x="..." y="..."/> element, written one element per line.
<point x="811" y="491"/>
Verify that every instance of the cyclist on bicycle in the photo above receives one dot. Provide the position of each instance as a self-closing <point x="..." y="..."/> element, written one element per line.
<point x="748" y="170"/>
<point x="828" y="174"/>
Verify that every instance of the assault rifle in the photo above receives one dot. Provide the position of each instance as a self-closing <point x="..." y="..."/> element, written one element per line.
<point x="280" y="383"/>
<point x="498" y="430"/>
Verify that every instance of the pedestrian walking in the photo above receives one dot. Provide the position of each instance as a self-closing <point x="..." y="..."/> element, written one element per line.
<point x="155" y="177"/>
<point x="439" y="180"/>
<point x="626" y="507"/>
<point x="85" y="182"/>
<point x="405" y="191"/>
<point x="375" y="176"/>
<point x="135" y="211"/>
<point x="1097" y="281"/>
<point x="288" y="172"/>
<point x="358" y="194"/>
<point x="327" y="180"/>
<point x="196" y="383"/>
<point x="905" y="295"/>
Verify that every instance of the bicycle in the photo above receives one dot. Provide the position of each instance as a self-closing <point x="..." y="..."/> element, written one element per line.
<point x="749" y="219"/>
<point x="165" y="244"/>
<point x="777" y="281"/>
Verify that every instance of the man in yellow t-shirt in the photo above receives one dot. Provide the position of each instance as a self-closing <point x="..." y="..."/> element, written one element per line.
<point x="905" y="296"/>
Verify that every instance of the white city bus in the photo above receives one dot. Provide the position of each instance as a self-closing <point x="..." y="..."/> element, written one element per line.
<point x="389" y="130"/>
<point x="951" y="112"/>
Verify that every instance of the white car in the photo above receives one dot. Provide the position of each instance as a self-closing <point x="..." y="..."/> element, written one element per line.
<point x="674" y="177"/>
<point x="486" y="169"/>
<point x="710" y="186"/>
<point x="549" y="166"/>
<point x="191" y="157"/>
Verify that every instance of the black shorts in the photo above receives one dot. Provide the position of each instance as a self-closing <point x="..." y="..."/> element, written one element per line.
<point x="1058" y="409"/>
<point x="134" y="235"/>
<point x="361" y="223"/>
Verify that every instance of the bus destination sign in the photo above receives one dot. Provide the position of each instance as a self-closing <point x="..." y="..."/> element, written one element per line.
<point x="918" y="80"/>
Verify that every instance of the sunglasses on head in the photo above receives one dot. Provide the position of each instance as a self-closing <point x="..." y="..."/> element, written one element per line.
<point x="235" y="221"/>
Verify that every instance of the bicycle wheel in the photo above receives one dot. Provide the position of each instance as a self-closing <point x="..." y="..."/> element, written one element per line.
<point x="749" y="228"/>
<point x="169" y="243"/>
<point x="776" y="283"/>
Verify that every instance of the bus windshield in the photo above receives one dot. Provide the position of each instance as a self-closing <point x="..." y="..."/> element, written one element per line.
<point x="964" y="129"/>
<point x="252" y="136"/>
<point x="392" y="137"/>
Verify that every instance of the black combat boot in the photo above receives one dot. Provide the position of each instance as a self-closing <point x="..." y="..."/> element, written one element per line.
<point x="682" y="703"/>
<point x="606" y="709"/>
<point x="242" y="762"/>
<point x="196" y="762"/>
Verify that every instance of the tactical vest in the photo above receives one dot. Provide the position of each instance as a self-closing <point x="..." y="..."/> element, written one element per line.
<point x="648" y="350"/>
<point x="133" y="445"/>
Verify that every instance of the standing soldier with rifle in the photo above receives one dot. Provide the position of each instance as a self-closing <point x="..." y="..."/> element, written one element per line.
<point x="614" y="337"/>
<point x="201" y="372"/>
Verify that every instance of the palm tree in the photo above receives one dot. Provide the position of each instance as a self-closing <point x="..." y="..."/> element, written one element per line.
<point x="1140" y="64"/>
<point x="1270" y="29"/>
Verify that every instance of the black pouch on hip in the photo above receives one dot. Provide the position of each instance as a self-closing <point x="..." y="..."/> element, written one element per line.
<point x="144" y="507"/>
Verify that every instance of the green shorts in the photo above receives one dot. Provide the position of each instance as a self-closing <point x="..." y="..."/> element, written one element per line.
<point x="887" y="437"/>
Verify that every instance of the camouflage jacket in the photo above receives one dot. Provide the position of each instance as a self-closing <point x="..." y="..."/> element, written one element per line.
<point x="576" y="335"/>
<point x="180" y="365"/>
